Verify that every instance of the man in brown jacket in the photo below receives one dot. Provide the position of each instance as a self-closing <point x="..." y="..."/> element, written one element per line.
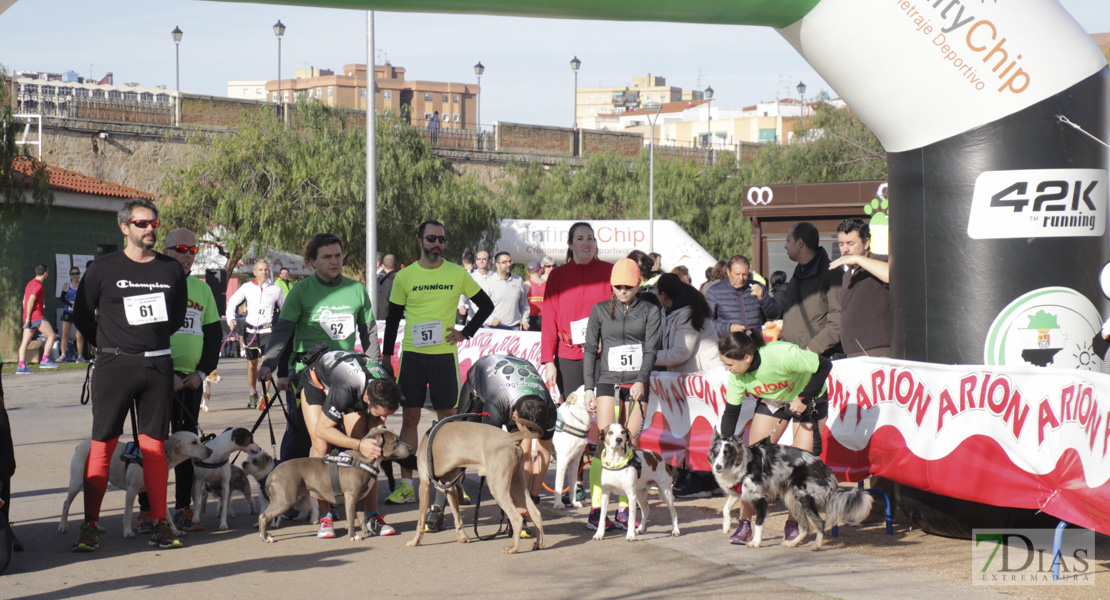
<point x="811" y="318"/>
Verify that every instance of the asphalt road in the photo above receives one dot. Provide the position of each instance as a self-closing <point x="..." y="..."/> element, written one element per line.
<point x="48" y="421"/>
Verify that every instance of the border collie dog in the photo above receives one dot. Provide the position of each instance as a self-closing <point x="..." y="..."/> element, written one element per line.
<point x="762" y="473"/>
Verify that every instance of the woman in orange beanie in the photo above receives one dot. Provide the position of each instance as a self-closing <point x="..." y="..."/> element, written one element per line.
<point x="623" y="335"/>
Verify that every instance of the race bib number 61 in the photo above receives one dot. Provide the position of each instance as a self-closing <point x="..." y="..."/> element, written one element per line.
<point x="147" y="308"/>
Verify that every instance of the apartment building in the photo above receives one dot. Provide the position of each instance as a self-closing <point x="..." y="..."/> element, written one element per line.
<point x="418" y="100"/>
<point x="598" y="102"/>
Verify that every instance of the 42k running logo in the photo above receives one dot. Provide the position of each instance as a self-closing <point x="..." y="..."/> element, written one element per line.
<point x="1037" y="203"/>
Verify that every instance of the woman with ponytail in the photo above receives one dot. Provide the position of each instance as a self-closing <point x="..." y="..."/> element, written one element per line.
<point x="622" y="337"/>
<point x="689" y="341"/>
<point x="788" y="384"/>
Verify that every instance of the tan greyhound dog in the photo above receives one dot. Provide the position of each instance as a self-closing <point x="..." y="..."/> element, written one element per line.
<point x="285" y="481"/>
<point x="496" y="455"/>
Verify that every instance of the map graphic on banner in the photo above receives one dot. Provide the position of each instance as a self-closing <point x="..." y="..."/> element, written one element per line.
<point x="1048" y="327"/>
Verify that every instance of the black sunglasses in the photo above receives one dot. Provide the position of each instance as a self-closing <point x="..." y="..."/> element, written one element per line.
<point x="183" y="249"/>
<point x="624" y="288"/>
<point x="143" y="223"/>
<point x="75" y="273"/>
<point x="431" y="239"/>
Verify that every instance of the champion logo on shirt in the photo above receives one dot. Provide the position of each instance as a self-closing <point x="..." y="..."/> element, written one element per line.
<point x="123" y="283"/>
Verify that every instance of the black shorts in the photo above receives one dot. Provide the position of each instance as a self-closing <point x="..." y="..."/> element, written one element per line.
<point x="67" y="316"/>
<point x="612" y="389"/>
<point x="313" y="395"/>
<point x="421" y="375"/>
<point x="256" y="343"/>
<point x="119" y="379"/>
<point x="822" y="406"/>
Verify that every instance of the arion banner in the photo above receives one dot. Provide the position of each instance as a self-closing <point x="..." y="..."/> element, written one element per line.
<point x="1008" y="436"/>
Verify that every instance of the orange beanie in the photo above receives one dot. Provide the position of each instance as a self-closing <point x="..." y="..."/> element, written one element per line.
<point x="625" y="272"/>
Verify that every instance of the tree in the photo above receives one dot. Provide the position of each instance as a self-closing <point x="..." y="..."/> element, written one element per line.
<point x="837" y="147"/>
<point x="272" y="185"/>
<point x="19" y="172"/>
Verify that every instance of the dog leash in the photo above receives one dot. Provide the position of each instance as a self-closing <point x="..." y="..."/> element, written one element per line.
<point x="86" y="388"/>
<point x="502" y="524"/>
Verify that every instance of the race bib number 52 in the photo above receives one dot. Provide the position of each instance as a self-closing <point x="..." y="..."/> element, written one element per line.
<point x="147" y="308"/>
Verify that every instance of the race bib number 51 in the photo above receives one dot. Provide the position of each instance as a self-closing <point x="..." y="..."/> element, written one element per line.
<point x="147" y="308"/>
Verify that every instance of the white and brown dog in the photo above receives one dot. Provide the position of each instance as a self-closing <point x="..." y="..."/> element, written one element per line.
<point x="629" y="472"/>
<point x="259" y="465"/>
<point x="217" y="469"/>
<point x="212" y="379"/>
<point x="570" y="442"/>
<point x="180" y="447"/>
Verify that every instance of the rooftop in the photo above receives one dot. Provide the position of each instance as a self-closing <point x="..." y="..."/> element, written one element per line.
<point x="71" y="181"/>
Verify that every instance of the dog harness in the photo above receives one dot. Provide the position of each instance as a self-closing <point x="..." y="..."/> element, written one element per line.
<point x="629" y="460"/>
<point x="335" y="460"/>
<point x="578" y="432"/>
<point x="204" y="465"/>
<point x="443" y="487"/>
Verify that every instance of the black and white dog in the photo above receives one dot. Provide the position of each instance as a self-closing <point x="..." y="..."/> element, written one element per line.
<point x="761" y="473"/>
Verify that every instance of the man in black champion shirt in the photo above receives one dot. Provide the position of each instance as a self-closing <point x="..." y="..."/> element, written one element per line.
<point x="141" y="297"/>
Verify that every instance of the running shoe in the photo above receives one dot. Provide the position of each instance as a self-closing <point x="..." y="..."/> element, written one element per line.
<point x="595" y="518"/>
<point x="82" y="359"/>
<point x="89" y="539"/>
<point x="790" y="530"/>
<point x="378" y="526"/>
<point x="183" y="520"/>
<point x="24" y="371"/>
<point x="253" y="401"/>
<point x="526" y="533"/>
<point x="326" y="531"/>
<point x="403" y="494"/>
<point x="433" y="522"/>
<point x="163" y="536"/>
<point x="743" y="533"/>
<point x="145" y="524"/>
<point x="48" y="364"/>
<point x="262" y="403"/>
<point x="622" y="518"/>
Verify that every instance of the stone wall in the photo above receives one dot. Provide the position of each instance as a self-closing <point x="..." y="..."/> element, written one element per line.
<point x="534" y="139"/>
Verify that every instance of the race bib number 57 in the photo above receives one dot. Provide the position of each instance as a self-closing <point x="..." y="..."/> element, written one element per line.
<point x="147" y="308"/>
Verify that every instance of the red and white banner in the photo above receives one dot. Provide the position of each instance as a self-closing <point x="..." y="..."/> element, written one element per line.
<point x="1007" y="436"/>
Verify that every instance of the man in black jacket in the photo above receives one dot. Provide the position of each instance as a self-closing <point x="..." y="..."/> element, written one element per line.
<point x="811" y="318"/>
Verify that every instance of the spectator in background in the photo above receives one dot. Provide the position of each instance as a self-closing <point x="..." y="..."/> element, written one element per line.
<point x="68" y="297"/>
<point x="718" y="272"/>
<point x="385" y="283"/>
<point x="689" y="341"/>
<point x="468" y="261"/>
<point x="379" y="264"/>
<point x="433" y="127"/>
<point x="535" y="287"/>
<point x="283" y="281"/>
<point x="683" y="274"/>
<point x="510" y="301"/>
<point x="546" y="265"/>
<point x="482" y="271"/>
<point x="811" y="317"/>
<point x="647" y="276"/>
<point x="864" y="292"/>
<point x="777" y="287"/>
<point x="738" y="304"/>
<point x="34" y="303"/>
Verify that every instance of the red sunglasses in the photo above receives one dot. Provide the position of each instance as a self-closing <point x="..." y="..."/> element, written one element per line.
<point x="183" y="249"/>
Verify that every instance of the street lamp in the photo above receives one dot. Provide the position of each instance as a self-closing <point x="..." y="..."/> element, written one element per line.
<point x="650" y="106"/>
<point x="574" y="64"/>
<point x="176" y="33"/>
<point x="709" y="110"/>
<point x="478" y="70"/>
<point x="279" y="30"/>
<point x="802" y="95"/>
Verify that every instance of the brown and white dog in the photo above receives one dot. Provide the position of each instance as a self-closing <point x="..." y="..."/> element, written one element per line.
<point x="180" y="447"/>
<point x="217" y="469"/>
<point x="629" y="472"/>
<point x="495" y="453"/>
<point x="212" y="379"/>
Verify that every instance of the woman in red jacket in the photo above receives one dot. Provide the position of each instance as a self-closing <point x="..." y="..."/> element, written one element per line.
<point x="572" y="290"/>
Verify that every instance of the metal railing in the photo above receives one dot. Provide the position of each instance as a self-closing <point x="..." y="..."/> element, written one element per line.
<point x="97" y="109"/>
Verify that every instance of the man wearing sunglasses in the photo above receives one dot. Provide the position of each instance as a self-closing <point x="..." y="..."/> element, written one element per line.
<point x="426" y="295"/>
<point x="128" y="305"/>
<point x="195" y="351"/>
<point x="264" y="299"/>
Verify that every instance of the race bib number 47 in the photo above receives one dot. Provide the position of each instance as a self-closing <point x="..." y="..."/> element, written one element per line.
<point x="147" y="308"/>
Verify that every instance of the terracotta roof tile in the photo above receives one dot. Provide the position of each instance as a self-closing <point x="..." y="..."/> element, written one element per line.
<point x="668" y="107"/>
<point x="71" y="181"/>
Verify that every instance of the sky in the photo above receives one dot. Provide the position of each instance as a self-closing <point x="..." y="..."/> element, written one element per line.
<point x="527" y="79"/>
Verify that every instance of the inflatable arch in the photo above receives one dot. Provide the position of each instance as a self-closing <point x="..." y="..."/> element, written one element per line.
<point x="991" y="114"/>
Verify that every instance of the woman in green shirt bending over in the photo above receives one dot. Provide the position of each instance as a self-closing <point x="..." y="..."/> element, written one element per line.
<point x="787" y="384"/>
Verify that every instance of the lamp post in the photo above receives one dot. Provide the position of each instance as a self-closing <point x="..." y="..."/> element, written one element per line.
<point x="650" y="106"/>
<point x="279" y="30"/>
<point x="802" y="96"/>
<point x="478" y="70"/>
<point x="176" y="33"/>
<point x="709" y="111"/>
<point x="574" y="65"/>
